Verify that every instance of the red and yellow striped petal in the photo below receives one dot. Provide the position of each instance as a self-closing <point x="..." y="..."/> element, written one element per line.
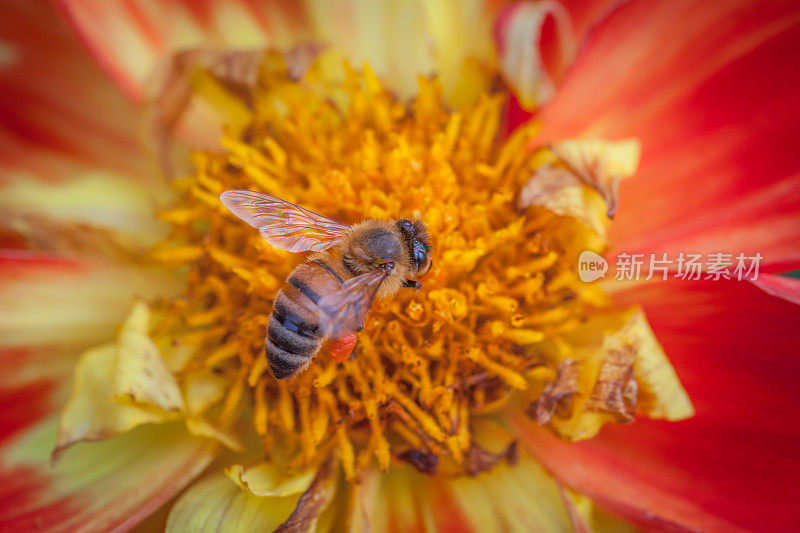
<point x="57" y="106"/>
<point x="96" y="486"/>
<point x="519" y="497"/>
<point x="87" y="212"/>
<point x="733" y="466"/>
<point x="710" y="93"/>
<point x="127" y="39"/>
<point x="400" y="40"/>
<point x="47" y="300"/>
<point x="51" y="306"/>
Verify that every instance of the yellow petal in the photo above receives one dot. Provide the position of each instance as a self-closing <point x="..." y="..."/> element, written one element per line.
<point x="201" y="427"/>
<point x="140" y="375"/>
<point x="523" y="497"/>
<point x="661" y="394"/>
<point x="600" y="164"/>
<point x="203" y="389"/>
<point x="459" y="36"/>
<point x="92" y="413"/>
<point x="217" y="505"/>
<point x="402" y="40"/>
<point x="270" y="479"/>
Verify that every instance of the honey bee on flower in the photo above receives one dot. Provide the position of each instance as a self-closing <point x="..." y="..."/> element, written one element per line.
<point x="330" y="294"/>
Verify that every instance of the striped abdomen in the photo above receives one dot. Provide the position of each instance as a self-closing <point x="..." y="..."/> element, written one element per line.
<point x="293" y="335"/>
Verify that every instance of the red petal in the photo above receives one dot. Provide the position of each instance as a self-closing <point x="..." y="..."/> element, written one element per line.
<point x="735" y="350"/>
<point x="55" y="98"/>
<point x="780" y="286"/>
<point x="587" y="13"/>
<point x="711" y="93"/>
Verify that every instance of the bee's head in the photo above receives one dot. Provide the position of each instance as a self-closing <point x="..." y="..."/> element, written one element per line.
<point x="415" y="237"/>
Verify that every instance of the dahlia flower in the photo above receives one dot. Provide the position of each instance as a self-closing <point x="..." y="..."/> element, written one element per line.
<point x="509" y="393"/>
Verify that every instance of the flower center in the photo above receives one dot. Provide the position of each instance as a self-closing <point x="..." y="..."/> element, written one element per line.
<point x="426" y="363"/>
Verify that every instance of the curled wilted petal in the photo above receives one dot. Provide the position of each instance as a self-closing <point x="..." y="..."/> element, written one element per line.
<point x="519" y="32"/>
<point x="600" y="164"/>
<point x="93" y="413"/>
<point x="563" y="193"/>
<point x="661" y="394"/>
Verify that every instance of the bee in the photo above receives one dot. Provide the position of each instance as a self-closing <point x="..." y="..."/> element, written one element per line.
<point x="328" y="295"/>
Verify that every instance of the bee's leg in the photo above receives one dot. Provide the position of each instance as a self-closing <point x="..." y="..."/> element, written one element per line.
<point x="416" y="285"/>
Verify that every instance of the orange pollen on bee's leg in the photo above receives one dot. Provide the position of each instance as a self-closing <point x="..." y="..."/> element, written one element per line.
<point x="340" y="349"/>
<point x="426" y="361"/>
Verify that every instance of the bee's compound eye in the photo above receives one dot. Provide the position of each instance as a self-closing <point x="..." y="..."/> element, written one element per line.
<point x="420" y="254"/>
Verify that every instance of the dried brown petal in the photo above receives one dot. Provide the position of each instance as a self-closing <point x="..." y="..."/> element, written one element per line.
<point x="615" y="391"/>
<point x="480" y="459"/>
<point x="313" y="501"/>
<point x="425" y="462"/>
<point x="557" y="397"/>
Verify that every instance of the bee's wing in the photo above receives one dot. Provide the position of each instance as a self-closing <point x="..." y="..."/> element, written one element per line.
<point x="282" y="224"/>
<point x="342" y="312"/>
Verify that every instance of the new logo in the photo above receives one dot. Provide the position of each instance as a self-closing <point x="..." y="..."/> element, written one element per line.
<point x="591" y="266"/>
